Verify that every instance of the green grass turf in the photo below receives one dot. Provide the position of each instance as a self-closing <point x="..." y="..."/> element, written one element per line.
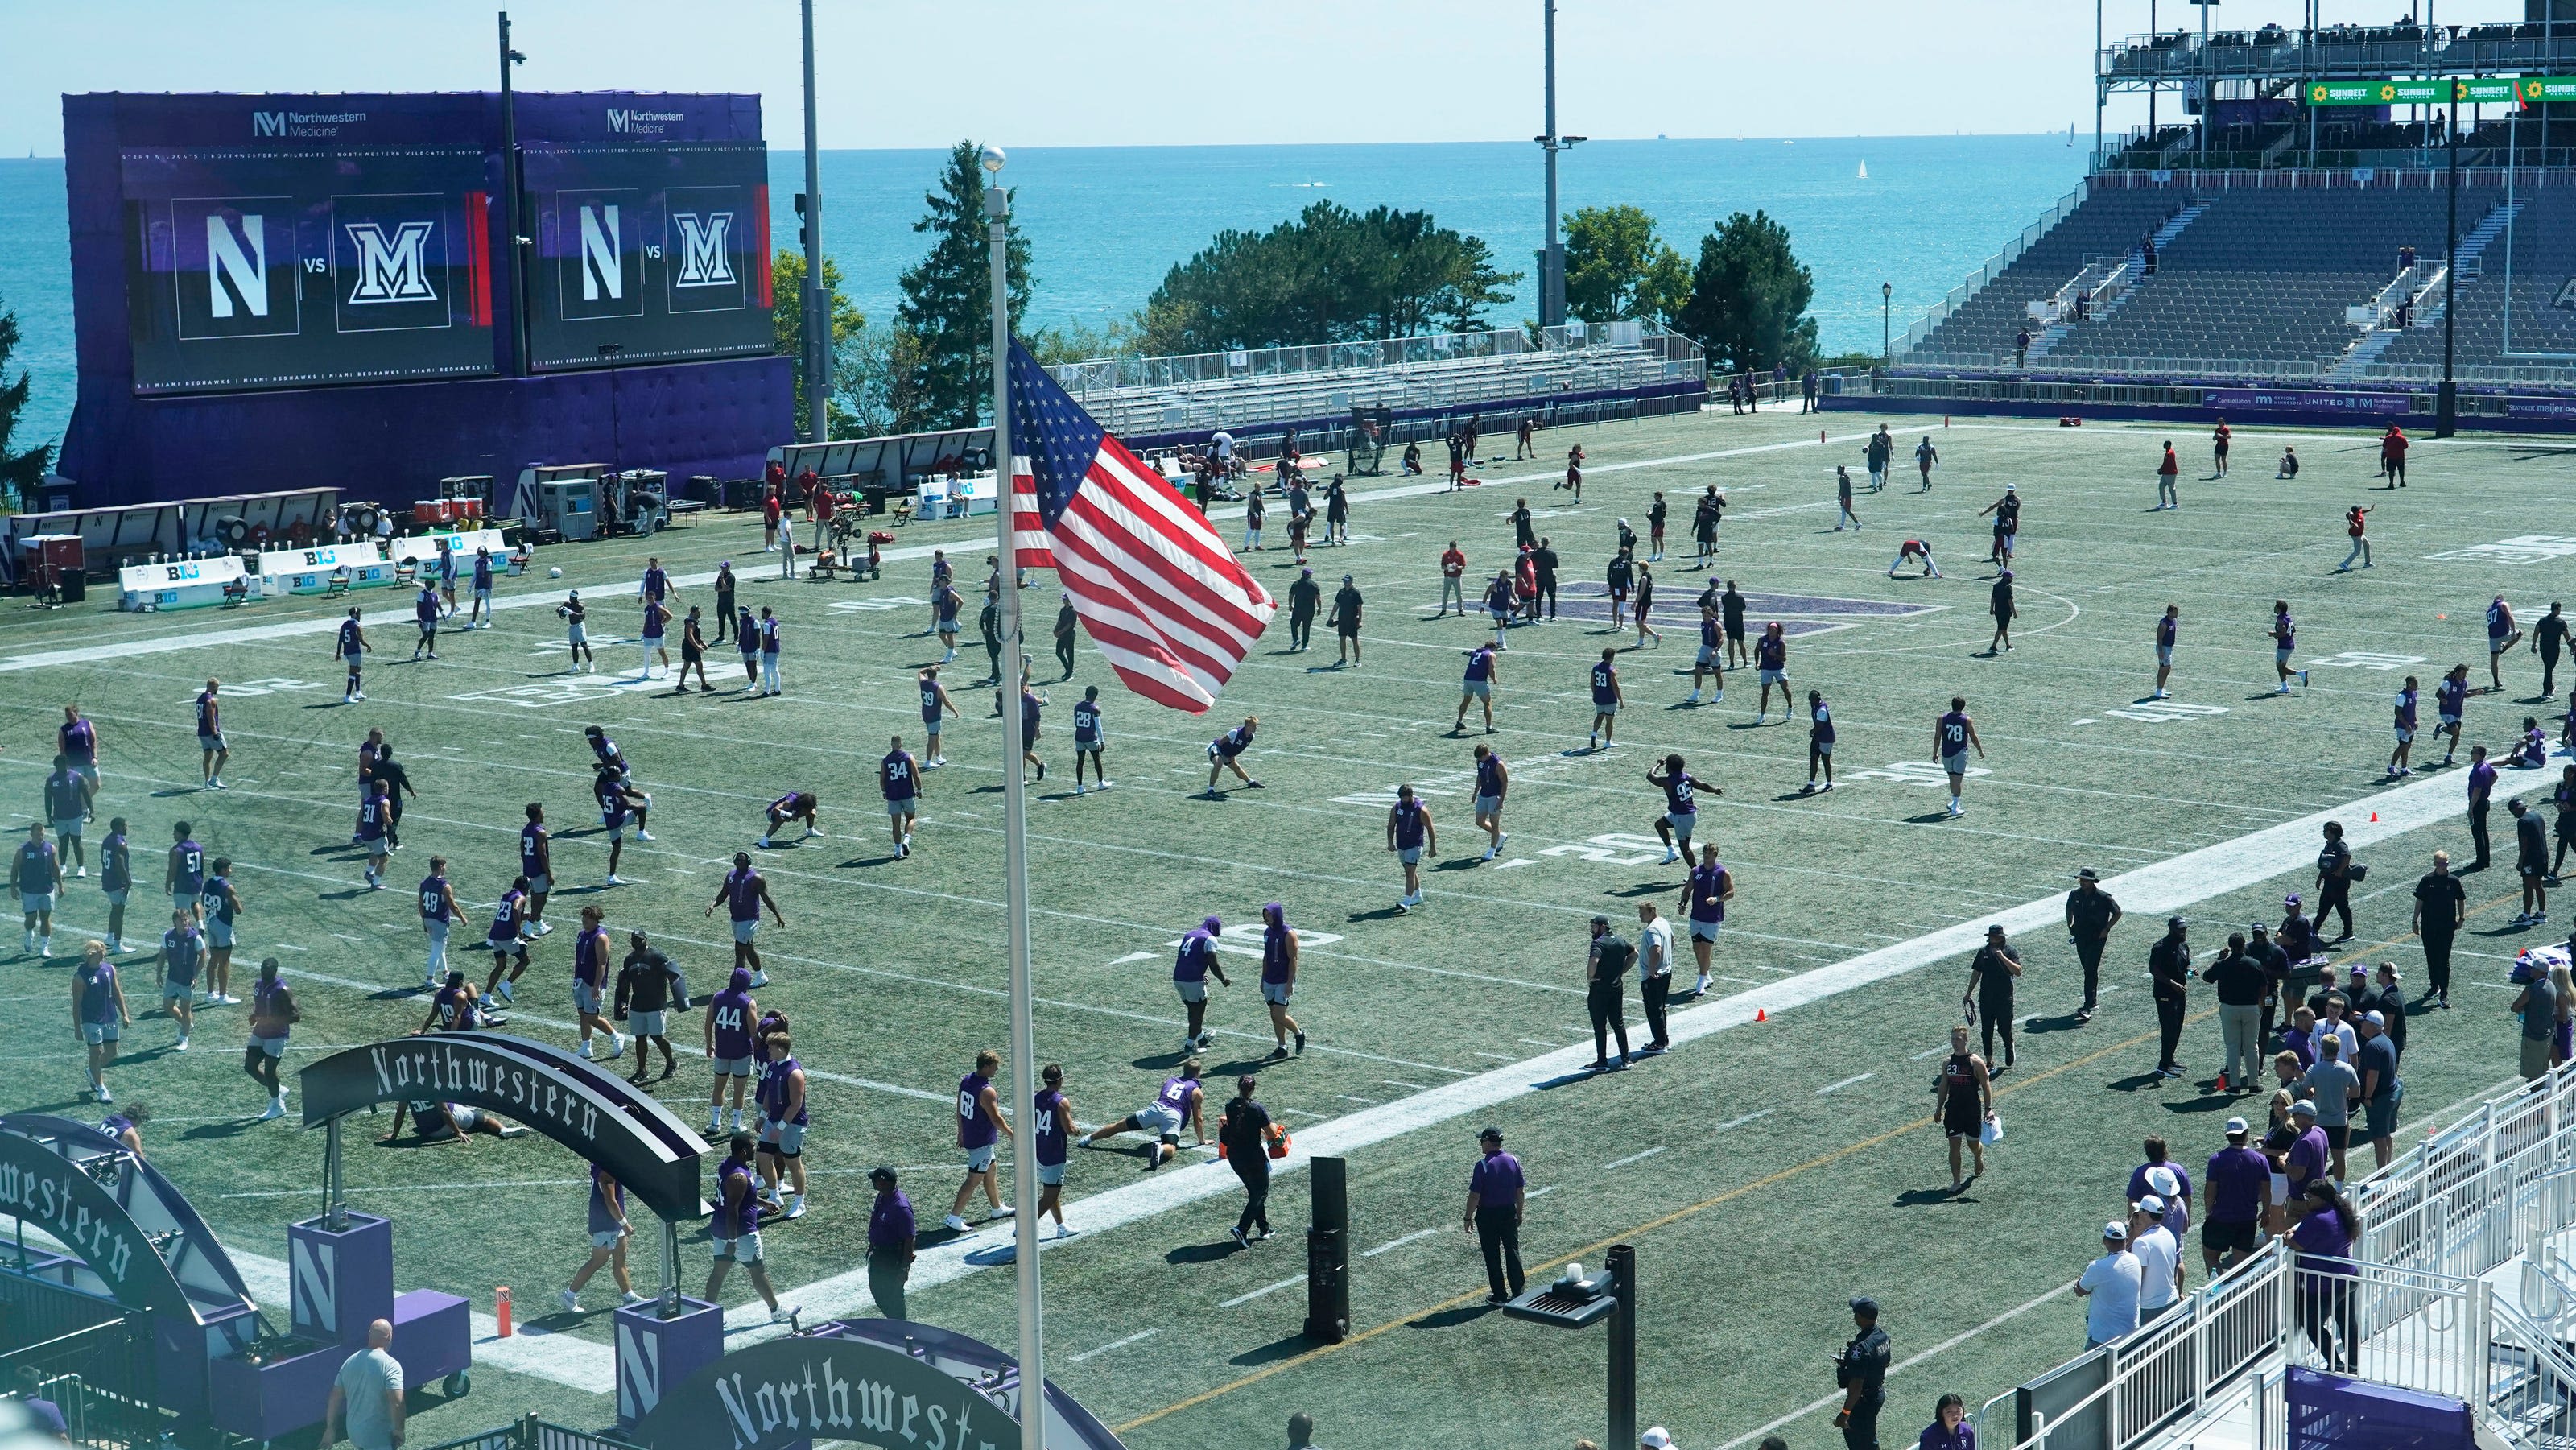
<point x="1749" y="1236"/>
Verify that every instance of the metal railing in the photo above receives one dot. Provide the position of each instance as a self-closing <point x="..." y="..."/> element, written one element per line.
<point x="1100" y="375"/>
<point x="1993" y="268"/>
<point x="532" y="1433"/>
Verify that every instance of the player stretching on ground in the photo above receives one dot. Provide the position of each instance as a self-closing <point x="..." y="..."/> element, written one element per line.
<point x="1820" y="741"/>
<point x="1178" y="1102"/>
<point x="2285" y="638"/>
<point x="350" y="646"/>
<point x="210" y="738"/>
<point x="1914" y="549"/>
<point x="934" y="702"/>
<point x="1410" y="835"/>
<point x="1681" y="810"/>
<point x="2397" y="759"/>
<point x="899" y="777"/>
<point x="1493" y="780"/>
<point x="507" y="941"/>
<point x="1481" y="678"/>
<point x="1952" y="736"/>
<point x="1087" y="740"/>
<point x="1606" y="699"/>
<point x="742" y="895"/>
<point x="1224" y="751"/>
<point x="1279" y="977"/>
<point x="1711" y="660"/>
<point x="796" y="805"/>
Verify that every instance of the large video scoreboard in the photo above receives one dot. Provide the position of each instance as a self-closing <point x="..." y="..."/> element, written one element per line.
<point x="366" y="243"/>
<point x="250" y="269"/>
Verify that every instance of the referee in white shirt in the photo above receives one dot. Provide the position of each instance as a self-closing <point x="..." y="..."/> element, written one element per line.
<point x="1654" y="972"/>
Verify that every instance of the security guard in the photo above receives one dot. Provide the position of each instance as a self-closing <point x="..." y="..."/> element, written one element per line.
<point x="1861" y="1371"/>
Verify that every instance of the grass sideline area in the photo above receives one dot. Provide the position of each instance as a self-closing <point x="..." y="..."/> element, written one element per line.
<point x="1764" y="1172"/>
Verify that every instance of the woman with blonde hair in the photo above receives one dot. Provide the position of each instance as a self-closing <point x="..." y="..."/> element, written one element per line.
<point x="2559" y="1037"/>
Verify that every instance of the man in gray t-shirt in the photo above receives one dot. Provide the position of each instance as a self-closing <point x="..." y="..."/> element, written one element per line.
<point x="2334" y="1084"/>
<point x="367" y="1397"/>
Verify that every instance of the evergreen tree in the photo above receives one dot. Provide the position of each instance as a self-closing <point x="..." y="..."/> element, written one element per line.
<point x="1749" y="296"/>
<point x="21" y="472"/>
<point x="946" y="374"/>
<point x="1329" y="275"/>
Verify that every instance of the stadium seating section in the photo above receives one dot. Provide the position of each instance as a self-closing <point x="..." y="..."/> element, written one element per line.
<point x="2260" y="278"/>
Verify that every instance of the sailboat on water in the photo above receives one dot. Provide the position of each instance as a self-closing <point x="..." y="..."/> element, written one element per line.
<point x="1864" y="171"/>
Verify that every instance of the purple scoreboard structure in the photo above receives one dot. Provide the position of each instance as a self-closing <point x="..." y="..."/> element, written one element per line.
<point x="303" y="291"/>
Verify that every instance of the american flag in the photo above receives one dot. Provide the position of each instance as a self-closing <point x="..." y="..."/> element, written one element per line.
<point x="1150" y="578"/>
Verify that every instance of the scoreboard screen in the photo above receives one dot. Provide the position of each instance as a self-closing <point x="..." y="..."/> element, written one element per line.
<point x="279" y="269"/>
<point x="647" y="254"/>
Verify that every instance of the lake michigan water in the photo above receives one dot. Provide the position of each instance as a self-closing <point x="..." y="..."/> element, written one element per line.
<point x="1107" y="222"/>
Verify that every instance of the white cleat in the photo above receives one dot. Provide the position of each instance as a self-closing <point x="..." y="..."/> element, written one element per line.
<point x="276" y="1110"/>
<point x="181" y="1045"/>
<point x="570" y="1301"/>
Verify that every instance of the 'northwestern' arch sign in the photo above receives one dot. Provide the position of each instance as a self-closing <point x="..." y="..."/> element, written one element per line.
<point x="597" y="1115"/>
<point x="42" y="1186"/>
<point x="824" y="1387"/>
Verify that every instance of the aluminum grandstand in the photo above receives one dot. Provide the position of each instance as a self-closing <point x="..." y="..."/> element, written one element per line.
<point x="2343" y="217"/>
<point x="1569" y="373"/>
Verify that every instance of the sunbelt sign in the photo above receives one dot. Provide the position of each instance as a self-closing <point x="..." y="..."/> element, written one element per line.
<point x="2440" y="90"/>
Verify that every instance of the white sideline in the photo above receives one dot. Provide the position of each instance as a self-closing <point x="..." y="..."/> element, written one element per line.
<point x="2148" y="892"/>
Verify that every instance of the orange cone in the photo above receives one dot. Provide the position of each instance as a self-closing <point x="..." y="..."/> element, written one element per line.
<point x="1761" y="1014"/>
<point x="2222" y="1083"/>
<point x="2374" y="815"/>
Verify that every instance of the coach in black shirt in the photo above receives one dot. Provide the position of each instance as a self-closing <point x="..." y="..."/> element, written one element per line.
<point x="2441" y="905"/>
<point x="2243" y="986"/>
<point x="1543" y="559"/>
<point x="2169" y="969"/>
<point x="2090" y="915"/>
<point x="1861" y="1372"/>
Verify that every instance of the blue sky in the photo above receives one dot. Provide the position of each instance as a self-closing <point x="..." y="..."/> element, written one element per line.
<point x="903" y="73"/>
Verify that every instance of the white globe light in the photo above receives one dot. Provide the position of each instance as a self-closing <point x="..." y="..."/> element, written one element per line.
<point x="994" y="157"/>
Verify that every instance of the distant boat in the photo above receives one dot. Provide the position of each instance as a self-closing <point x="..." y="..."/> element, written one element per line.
<point x="2070" y="133"/>
<point x="1660" y="136"/>
<point x="1864" y="171"/>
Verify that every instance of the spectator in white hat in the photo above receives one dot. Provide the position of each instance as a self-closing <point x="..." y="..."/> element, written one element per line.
<point x="2159" y="1256"/>
<point x="1656" y="1438"/>
<point x="2113" y="1282"/>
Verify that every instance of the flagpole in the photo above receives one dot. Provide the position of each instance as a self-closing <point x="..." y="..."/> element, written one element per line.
<point x="1015" y="839"/>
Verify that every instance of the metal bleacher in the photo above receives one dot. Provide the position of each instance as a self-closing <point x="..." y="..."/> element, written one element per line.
<point x="2541" y="261"/>
<point x="1165" y="397"/>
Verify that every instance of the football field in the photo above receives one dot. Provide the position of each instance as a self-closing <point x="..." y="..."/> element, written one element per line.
<point x="1764" y="1169"/>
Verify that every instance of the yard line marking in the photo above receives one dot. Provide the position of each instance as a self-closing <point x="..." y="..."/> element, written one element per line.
<point x="1496" y="1056"/>
<point x="1542" y="1192"/>
<point x="2164" y="887"/>
<point x="1417" y="1087"/>
<point x="1301" y="1112"/>
<point x="1740" y="1122"/>
<point x="1534" y="1042"/>
<point x="1346" y="1097"/>
<point x="1138" y="1336"/>
<point x="1835" y="1087"/>
<point x="1632" y="1158"/>
<point x="1930" y="1052"/>
<point x="1365" y="1253"/>
<point x="410" y="1187"/>
<point x="1264" y="1289"/>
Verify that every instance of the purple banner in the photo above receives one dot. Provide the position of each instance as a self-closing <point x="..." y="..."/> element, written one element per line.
<point x="2560" y="408"/>
<point x="2287" y="400"/>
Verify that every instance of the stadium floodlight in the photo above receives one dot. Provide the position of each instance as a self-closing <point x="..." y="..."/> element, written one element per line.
<point x="1576" y="1299"/>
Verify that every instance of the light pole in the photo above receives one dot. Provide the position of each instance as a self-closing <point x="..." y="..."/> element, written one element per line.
<point x="1551" y="263"/>
<point x="818" y="316"/>
<point x="608" y="352"/>
<point x="1886" y="323"/>
<point x="2208" y="79"/>
<point x="2446" y="404"/>
<point x="510" y="187"/>
<point x="1015" y="847"/>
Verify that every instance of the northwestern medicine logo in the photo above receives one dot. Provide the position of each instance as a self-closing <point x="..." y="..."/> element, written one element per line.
<point x="391" y="268"/>
<point x="642" y="123"/>
<point x="302" y="123"/>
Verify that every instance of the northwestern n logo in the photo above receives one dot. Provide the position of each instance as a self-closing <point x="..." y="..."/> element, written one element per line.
<point x="391" y="268"/>
<point x="602" y="271"/>
<point x="704" y="261"/>
<point x="236" y="265"/>
<point x="268" y="123"/>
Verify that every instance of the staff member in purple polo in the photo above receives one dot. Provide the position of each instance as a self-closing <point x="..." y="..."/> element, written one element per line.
<point x="890" y="1243"/>
<point x="1496" y="1194"/>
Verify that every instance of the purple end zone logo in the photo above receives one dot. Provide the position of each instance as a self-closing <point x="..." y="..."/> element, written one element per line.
<point x="1798" y="614"/>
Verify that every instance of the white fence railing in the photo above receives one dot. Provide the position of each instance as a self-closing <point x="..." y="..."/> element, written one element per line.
<point x="2409" y="1310"/>
<point x="1993" y="268"/>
